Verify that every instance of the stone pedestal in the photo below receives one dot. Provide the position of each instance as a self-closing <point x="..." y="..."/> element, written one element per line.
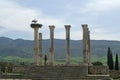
<point x="51" y="44"/>
<point x="67" y="27"/>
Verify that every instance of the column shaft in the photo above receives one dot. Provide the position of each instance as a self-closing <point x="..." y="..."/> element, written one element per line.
<point x="67" y="27"/>
<point x="89" y="52"/>
<point x="85" y="54"/>
<point x="51" y="44"/>
<point x="86" y="45"/>
<point x="40" y="49"/>
<point x="35" y="45"/>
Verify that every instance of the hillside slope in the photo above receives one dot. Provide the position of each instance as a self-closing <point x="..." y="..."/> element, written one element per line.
<point x="24" y="48"/>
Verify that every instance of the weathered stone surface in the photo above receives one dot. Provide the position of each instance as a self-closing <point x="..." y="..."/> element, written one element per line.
<point x="56" y="72"/>
<point x="86" y="45"/>
<point x="40" y="49"/>
<point x="98" y="70"/>
<point x="114" y="74"/>
<point x="67" y="27"/>
<point x="20" y="69"/>
<point x="51" y="27"/>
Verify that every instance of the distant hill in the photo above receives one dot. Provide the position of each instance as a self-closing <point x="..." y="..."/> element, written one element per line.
<point x="24" y="48"/>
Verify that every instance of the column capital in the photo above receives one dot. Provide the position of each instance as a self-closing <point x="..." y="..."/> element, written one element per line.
<point x="67" y="27"/>
<point x="85" y="26"/>
<point x="35" y="24"/>
<point x="40" y="33"/>
<point x="51" y="27"/>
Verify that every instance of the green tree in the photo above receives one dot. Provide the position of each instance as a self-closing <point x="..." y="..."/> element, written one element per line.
<point x="111" y="63"/>
<point x="97" y="63"/>
<point x="108" y="56"/>
<point x="116" y="62"/>
<point x="110" y="59"/>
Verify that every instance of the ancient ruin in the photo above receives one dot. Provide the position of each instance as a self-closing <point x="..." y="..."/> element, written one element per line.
<point x="61" y="72"/>
<point x="51" y="71"/>
<point x="38" y="48"/>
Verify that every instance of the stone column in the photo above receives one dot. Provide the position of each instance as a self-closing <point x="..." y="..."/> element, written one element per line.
<point x="51" y="44"/>
<point x="35" y="25"/>
<point x="85" y="36"/>
<point x="89" y="51"/>
<point x="67" y="27"/>
<point x="36" y="46"/>
<point x="40" y="49"/>
<point x="86" y="45"/>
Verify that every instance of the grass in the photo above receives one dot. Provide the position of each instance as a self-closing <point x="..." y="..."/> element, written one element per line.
<point x="16" y="59"/>
<point x="73" y="60"/>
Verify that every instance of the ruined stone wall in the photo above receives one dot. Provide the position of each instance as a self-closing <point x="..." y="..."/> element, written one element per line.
<point x="103" y="70"/>
<point x="19" y="69"/>
<point x="60" y="72"/>
<point x="55" y="72"/>
<point x="114" y="74"/>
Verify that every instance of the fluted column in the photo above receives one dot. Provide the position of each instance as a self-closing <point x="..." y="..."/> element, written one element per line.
<point x="67" y="27"/>
<point x="40" y="49"/>
<point x="51" y="44"/>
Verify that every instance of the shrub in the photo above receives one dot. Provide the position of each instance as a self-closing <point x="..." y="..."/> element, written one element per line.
<point x="97" y="63"/>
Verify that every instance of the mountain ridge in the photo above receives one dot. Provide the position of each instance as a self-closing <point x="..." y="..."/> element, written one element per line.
<point x="24" y="48"/>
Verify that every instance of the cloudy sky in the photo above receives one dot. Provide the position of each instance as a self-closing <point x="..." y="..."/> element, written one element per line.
<point x="102" y="17"/>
